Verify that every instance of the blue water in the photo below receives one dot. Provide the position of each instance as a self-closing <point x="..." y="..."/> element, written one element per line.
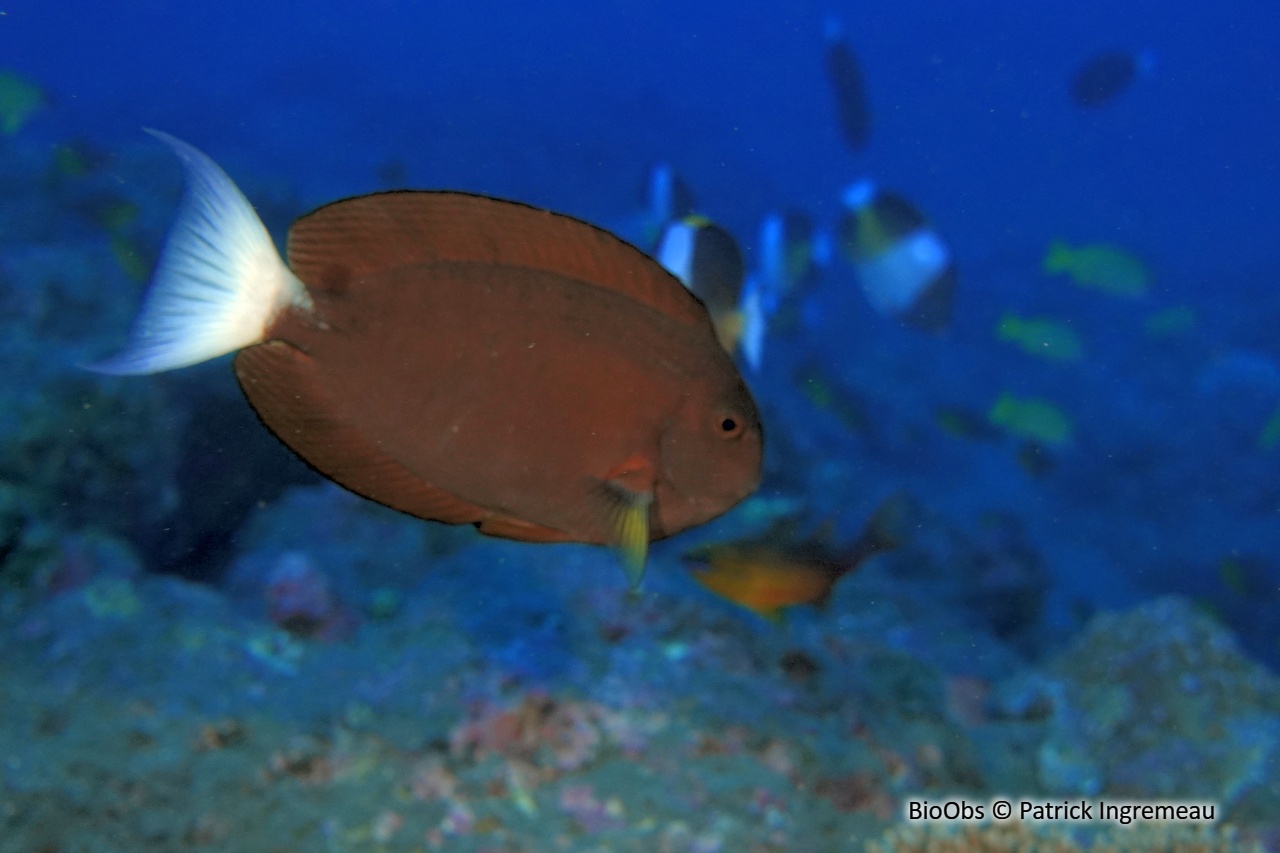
<point x="564" y="105"/>
<point x="970" y="112"/>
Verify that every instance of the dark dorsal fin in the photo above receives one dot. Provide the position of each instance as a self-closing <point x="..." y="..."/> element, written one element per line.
<point x="350" y="239"/>
<point x="284" y="386"/>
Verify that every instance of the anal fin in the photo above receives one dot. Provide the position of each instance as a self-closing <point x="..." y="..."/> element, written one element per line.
<point x="284" y="386"/>
<point x="509" y="527"/>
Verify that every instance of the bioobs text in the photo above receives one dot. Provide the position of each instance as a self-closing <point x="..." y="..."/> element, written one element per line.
<point x="949" y="810"/>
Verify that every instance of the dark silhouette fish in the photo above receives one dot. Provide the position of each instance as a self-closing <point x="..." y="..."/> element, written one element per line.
<point x="1103" y="77"/>
<point x="706" y="259"/>
<point x="463" y="359"/>
<point x="847" y="87"/>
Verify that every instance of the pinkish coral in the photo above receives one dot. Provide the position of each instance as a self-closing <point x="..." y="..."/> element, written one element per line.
<point x="778" y="758"/>
<point x="588" y="812"/>
<point x="431" y="780"/>
<point x="571" y="735"/>
<point x="857" y="792"/>
<point x="460" y="820"/>
<point x="386" y="825"/>
<point x="564" y="735"/>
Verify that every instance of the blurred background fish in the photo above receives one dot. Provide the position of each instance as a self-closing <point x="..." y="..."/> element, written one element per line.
<point x="1110" y="269"/>
<point x="1269" y="438"/>
<point x="1043" y="337"/>
<point x="706" y="259"/>
<point x="962" y="422"/>
<point x="1032" y="418"/>
<point x="1104" y="77"/>
<point x="19" y="100"/>
<point x="905" y="269"/>
<point x="789" y="252"/>
<point x="845" y="76"/>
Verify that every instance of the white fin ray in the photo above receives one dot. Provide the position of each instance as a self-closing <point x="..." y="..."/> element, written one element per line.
<point x="675" y="251"/>
<point x="755" y="321"/>
<point x="220" y="281"/>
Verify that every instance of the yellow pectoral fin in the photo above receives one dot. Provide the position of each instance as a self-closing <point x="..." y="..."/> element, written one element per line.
<point x="628" y="493"/>
<point x="632" y="528"/>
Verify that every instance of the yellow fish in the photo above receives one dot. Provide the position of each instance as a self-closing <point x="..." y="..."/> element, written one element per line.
<point x="962" y="423"/>
<point x="1101" y="266"/>
<point x="1270" y="435"/>
<point x="117" y="215"/>
<point x="19" y="98"/>
<point x="1248" y="576"/>
<point x="1037" y="420"/>
<point x="766" y="574"/>
<point x="71" y="161"/>
<point x="132" y="259"/>
<point x="1040" y="336"/>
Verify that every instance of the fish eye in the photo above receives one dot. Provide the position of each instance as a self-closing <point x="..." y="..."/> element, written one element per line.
<point x="730" y="426"/>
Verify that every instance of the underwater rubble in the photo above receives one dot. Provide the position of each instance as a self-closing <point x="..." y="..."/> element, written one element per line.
<point x="662" y="721"/>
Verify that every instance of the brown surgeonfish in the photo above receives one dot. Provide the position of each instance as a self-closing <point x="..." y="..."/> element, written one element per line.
<point x="462" y="359"/>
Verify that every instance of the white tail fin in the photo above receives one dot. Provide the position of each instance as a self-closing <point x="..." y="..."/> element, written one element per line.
<point x="219" y="283"/>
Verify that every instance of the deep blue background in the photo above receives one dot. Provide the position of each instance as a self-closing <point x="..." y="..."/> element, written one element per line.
<point x="566" y="101"/>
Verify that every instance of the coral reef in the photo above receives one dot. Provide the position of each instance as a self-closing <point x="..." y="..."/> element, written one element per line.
<point x="77" y="453"/>
<point x="1161" y="703"/>
<point x="1048" y="837"/>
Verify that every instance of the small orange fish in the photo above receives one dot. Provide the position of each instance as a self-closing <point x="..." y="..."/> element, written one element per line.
<point x="766" y="574"/>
